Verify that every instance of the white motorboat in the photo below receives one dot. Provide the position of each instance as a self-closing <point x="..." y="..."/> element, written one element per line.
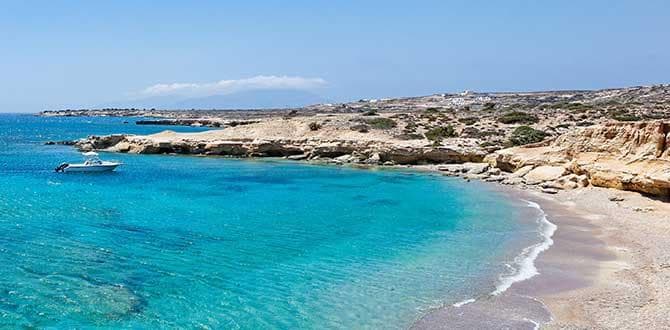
<point x="91" y="164"/>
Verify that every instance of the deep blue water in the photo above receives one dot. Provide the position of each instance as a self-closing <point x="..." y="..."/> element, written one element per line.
<point x="193" y="242"/>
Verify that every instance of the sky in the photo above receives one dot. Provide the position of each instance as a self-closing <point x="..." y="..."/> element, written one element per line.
<point x="75" y="54"/>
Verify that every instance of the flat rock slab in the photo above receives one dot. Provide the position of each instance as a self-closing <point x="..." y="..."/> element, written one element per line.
<point x="475" y="168"/>
<point x="544" y="173"/>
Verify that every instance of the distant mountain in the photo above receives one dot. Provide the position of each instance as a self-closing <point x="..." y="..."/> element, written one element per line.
<point x="256" y="99"/>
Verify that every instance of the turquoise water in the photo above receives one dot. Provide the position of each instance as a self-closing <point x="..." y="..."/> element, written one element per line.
<point x="193" y="242"/>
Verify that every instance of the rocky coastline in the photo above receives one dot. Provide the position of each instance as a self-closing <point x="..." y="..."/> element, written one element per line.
<point x="591" y="159"/>
<point x="598" y="163"/>
<point x="556" y="140"/>
<point x="626" y="156"/>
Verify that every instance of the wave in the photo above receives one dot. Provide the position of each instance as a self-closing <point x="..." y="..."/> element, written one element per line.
<point x="525" y="261"/>
<point x="464" y="302"/>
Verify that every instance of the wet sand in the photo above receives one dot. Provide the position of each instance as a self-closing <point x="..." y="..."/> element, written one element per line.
<point x="607" y="269"/>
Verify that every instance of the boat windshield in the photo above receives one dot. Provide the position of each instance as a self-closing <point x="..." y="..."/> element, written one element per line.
<point x="93" y="161"/>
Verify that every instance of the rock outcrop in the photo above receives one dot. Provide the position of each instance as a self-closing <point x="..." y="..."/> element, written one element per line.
<point x="369" y="150"/>
<point x="628" y="156"/>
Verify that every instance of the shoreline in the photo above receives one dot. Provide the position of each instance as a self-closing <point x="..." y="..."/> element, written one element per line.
<point x="522" y="302"/>
<point x="569" y="272"/>
<point x="566" y="271"/>
<point x="603" y="270"/>
<point x="618" y="249"/>
<point x="580" y="264"/>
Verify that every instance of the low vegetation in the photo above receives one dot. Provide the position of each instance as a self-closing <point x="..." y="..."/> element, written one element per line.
<point x="489" y="106"/>
<point x="439" y="133"/>
<point x="624" y="116"/>
<point x="471" y="132"/>
<point x="410" y="136"/>
<point x="526" y="135"/>
<point x="314" y="126"/>
<point x="518" y="117"/>
<point x="361" y="128"/>
<point x="381" y="123"/>
<point x="468" y="120"/>
<point x="585" y="123"/>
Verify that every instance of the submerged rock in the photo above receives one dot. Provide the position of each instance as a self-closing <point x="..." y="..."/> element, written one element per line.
<point x="298" y="157"/>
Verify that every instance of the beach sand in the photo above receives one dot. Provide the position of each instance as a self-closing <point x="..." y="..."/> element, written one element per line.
<point x="608" y="268"/>
<point x="628" y="284"/>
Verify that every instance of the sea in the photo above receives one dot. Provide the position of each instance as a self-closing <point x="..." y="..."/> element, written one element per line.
<point x="170" y="241"/>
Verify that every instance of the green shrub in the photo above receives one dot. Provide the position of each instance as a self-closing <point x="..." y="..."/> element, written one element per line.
<point x="370" y="112"/>
<point x="489" y="106"/>
<point x="313" y="126"/>
<point x="380" y="123"/>
<point x="439" y="133"/>
<point x="518" y="117"/>
<point x="656" y="115"/>
<point x="624" y="116"/>
<point x="410" y="136"/>
<point x="584" y="123"/>
<point x="471" y="132"/>
<point x="613" y="103"/>
<point x="579" y="107"/>
<point x="431" y="110"/>
<point x="526" y="135"/>
<point x="429" y="117"/>
<point x="468" y="120"/>
<point x="488" y="144"/>
<point x="361" y="128"/>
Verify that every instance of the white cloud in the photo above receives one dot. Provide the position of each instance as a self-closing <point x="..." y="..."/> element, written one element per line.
<point x="232" y="86"/>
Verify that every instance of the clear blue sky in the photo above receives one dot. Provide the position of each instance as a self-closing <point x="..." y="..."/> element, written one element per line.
<point x="56" y="54"/>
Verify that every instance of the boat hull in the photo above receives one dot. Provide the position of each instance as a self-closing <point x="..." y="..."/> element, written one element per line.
<point x="91" y="168"/>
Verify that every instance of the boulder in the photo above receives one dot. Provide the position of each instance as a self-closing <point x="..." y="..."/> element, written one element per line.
<point x="522" y="171"/>
<point x="582" y="181"/>
<point x="475" y="168"/>
<point x="551" y="185"/>
<point x="544" y="173"/>
<point x="451" y="168"/>
<point x="493" y="171"/>
<point x="495" y="178"/>
<point x="344" y="158"/>
<point x="374" y="159"/>
<point x="513" y="181"/>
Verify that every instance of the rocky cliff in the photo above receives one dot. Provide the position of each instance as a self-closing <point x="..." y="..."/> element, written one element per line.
<point x="629" y="156"/>
<point x="297" y="138"/>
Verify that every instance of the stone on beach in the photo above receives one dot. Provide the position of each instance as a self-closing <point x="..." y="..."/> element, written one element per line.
<point x="544" y="173"/>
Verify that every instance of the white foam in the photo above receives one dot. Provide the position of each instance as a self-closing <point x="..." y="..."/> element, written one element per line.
<point x="536" y="325"/>
<point x="464" y="302"/>
<point x="525" y="261"/>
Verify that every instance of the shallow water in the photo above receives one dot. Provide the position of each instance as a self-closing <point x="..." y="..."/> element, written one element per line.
<point x="176" y="241"/>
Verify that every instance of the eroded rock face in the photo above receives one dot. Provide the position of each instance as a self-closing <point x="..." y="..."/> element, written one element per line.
<point x="94" y="142"/>
<point x="369" y="152"/>
<point x="628" y="156"/>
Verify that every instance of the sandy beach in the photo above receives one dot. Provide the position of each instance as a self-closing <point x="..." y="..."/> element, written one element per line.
<point x="624" y="255"/>
<point x="607" y="269"/>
